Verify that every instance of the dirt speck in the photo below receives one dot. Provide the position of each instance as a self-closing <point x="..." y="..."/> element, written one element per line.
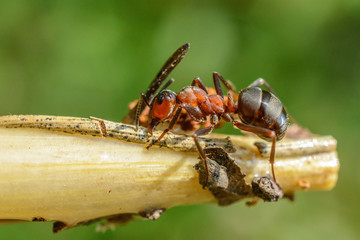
<point x="152" y="213"/>
<point x="59" y="226"/>
<point x="38" y="219"/>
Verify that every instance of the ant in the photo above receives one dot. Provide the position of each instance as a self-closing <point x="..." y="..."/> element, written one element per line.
<point x="260" y="111"/>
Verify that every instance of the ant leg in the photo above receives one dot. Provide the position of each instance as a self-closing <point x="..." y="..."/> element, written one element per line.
<point x="230" y="106"/>
<point x="143" y="98"/>
<point x="194" y="113"/>
<point x="139" y="108"/>
<point x="153" y="124"/>
<point x="259" y="82"/>
<point x="199" y="83"/>
<point x="230" y="103"/>
<point x="217" y="85"/>
<point x="227" y="84"/>
<point x="262" y="131"/>
<point x="168" y="83"/>
<point x="171" y="125"/>
<point x="200" y="132"/>
<point x="227" y="117"/>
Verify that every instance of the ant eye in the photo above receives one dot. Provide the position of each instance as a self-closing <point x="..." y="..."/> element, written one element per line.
<point x="160" y="98"/>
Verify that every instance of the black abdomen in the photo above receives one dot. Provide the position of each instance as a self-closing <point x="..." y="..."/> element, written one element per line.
<point x="261" y="108"/>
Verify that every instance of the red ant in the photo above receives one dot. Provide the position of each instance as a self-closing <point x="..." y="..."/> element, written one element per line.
<point x="260" y="111"/>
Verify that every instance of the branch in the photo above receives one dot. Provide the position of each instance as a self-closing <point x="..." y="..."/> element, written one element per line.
<point x="73" y="170"/>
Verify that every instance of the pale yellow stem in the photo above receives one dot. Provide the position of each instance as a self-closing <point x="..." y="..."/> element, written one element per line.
<point x="56" y="176"/>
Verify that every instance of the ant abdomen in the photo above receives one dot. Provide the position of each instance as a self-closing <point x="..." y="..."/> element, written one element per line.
<point x="263" y="109"/>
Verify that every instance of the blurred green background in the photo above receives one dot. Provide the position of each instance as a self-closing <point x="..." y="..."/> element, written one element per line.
<point x="91" y="58"/>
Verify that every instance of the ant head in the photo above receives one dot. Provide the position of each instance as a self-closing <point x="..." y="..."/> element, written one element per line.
<point x="163" y="105"/>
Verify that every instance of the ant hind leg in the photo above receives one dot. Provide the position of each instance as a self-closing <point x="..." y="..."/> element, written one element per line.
<point x="198" y="82"/>
<point x="217" y="78"/>
<point x="260" y="82"/>
<point x="261" y="131"/>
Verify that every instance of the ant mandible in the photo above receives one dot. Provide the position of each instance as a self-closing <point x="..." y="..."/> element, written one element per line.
<point x="260" y="111"/>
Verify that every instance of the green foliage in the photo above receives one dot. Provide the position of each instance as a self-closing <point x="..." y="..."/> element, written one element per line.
<point x="82" y="58"/>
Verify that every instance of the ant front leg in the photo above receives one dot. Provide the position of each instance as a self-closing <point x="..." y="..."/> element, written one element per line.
<point x="261" y="131"/>
<point x="171" y="125"/>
